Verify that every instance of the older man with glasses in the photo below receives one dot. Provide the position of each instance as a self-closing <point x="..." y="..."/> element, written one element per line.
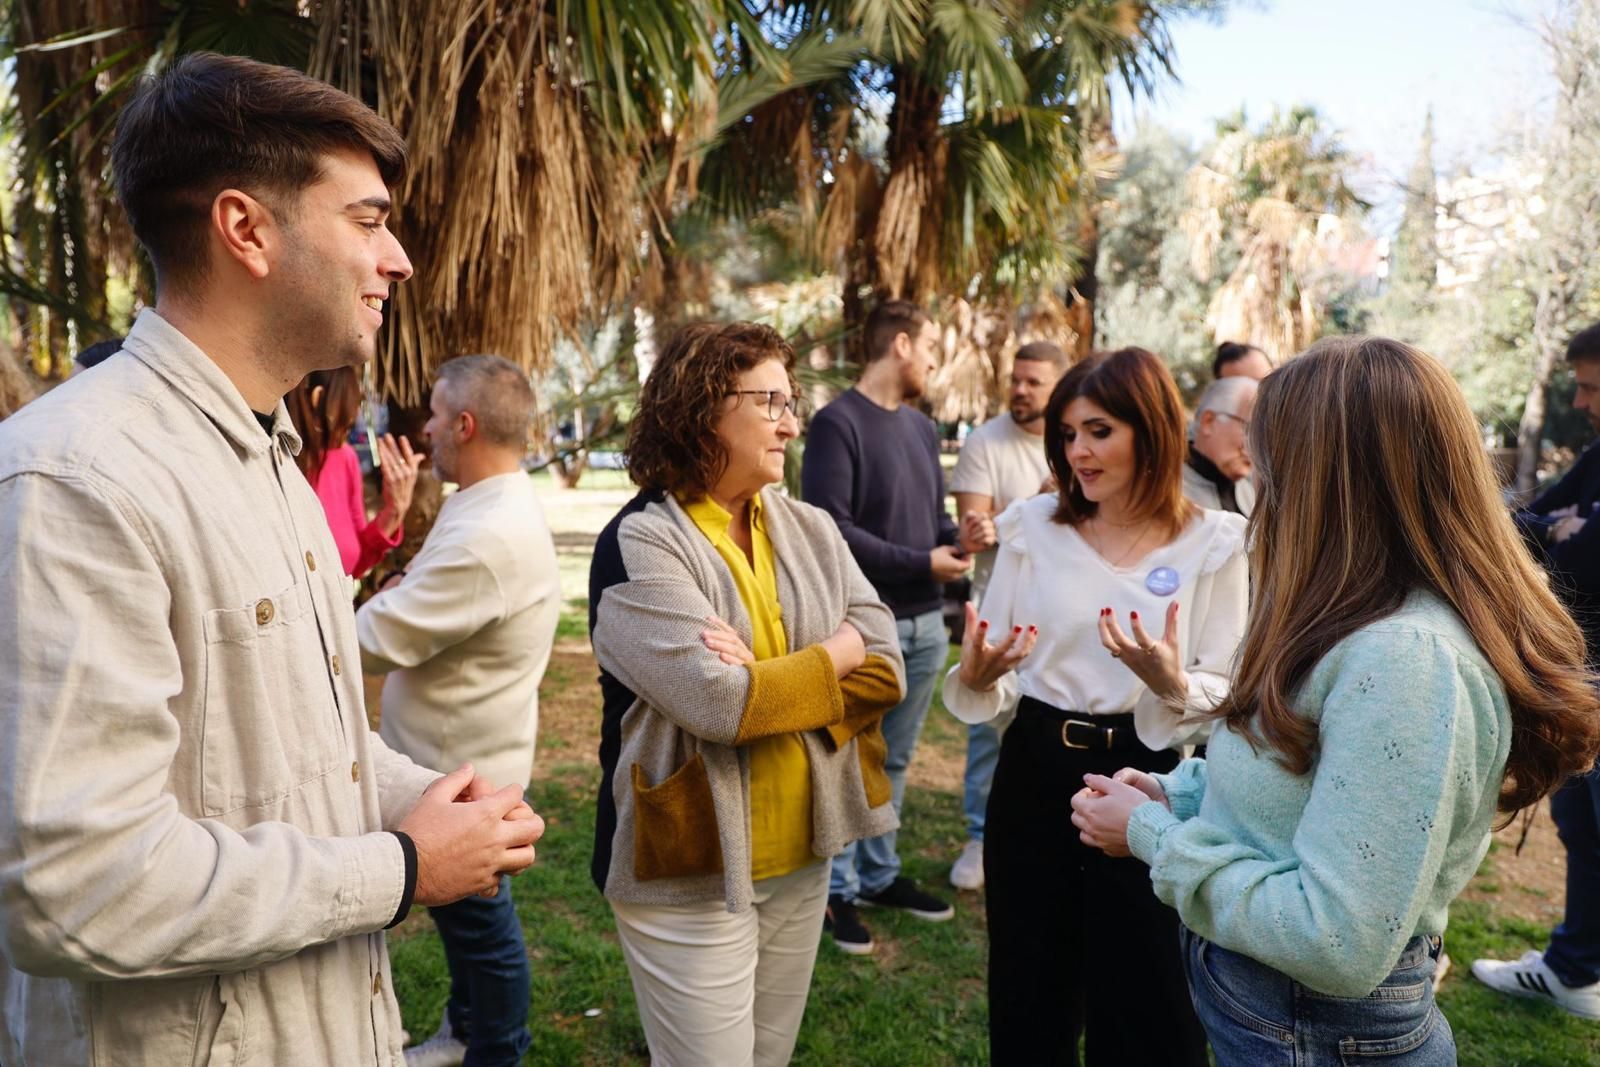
<point x="1217" y="472"/>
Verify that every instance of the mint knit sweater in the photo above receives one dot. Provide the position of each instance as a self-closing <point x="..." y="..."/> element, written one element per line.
<point x="1325" y="876"/>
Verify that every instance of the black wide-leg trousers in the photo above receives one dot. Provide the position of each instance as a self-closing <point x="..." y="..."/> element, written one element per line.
<point x="1078" y="941"/>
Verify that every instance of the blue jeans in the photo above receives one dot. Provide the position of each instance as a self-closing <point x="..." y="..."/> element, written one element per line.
<point x="983" y="753"/>
<point x="870" y="865"/>
<point x="489" y="979"/>
<point x="1574" y="952"/>
<point x="1259" y="1017"/>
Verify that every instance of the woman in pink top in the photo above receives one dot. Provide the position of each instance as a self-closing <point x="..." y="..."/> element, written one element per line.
<point x="323" y="408"/>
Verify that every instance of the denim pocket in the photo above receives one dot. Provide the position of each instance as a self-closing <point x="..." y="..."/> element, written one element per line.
<point x="1395" y="1019"/>
<point x="1359" y="1050"/>
<point x="1244" y="990"/>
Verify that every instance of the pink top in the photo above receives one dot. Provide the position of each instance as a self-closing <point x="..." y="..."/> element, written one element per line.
<point x="338" y="484"/>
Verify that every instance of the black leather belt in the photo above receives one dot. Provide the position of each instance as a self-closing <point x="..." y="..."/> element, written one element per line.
<point x="1092" y="733"/>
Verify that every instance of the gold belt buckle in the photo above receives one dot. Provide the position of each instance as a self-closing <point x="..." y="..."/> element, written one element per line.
<point x="1066" y="732"/>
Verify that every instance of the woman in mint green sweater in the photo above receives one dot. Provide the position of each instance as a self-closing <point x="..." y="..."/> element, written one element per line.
<point x="1406" y="674"/>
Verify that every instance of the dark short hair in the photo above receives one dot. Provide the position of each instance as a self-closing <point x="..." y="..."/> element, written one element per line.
<point x="497" y="393"/>
<point x="1043" y="352"/>
<point x="1132" y="385"/>
<point x="1585" y="345"/>
<point x="211" y="122"/>
<point x="1230" y="352"/>
<point x="889" y="320"/>
<point x="672" y="440"/>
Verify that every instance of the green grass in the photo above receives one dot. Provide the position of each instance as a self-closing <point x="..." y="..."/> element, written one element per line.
<point x="1498" y="1031"/>
<point x="919" y="1000"/>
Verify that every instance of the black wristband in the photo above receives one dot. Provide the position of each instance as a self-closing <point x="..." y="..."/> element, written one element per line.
<point x="410" y="850"/>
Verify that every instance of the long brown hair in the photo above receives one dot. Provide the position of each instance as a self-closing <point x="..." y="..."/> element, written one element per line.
<point x="1372" y="482"/>
<point x="1134" y="386"/>
<point x="325" y="424"/>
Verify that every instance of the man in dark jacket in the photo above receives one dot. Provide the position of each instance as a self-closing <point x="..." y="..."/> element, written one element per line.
<point x="872" y="462"/>
<point x="1563" y="526"/>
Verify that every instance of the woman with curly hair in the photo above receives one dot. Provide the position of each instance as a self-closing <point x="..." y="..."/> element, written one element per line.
<point x="1406" y="673"/>
<point x="745" y="665"/>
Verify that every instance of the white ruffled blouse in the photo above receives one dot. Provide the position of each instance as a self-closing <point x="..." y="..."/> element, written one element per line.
<point x="1047" y="575"/>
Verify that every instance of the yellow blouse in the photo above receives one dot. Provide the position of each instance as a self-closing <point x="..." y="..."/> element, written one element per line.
<point x="780" y="773"/>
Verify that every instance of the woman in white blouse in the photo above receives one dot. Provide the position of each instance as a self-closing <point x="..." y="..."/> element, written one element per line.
<point x="1083" y="579"/>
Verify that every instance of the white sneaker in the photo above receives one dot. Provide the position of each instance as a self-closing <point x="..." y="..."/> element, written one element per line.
<point x="440" y="1050"/>
<point x="968" y="870"/>
<point x="1530" y="977"/>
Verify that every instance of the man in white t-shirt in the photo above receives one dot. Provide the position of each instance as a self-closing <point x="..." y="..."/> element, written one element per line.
<point x="1001" y="461"/>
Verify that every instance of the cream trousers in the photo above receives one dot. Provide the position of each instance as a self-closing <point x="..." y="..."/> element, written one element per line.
<point x="721" y="988"/>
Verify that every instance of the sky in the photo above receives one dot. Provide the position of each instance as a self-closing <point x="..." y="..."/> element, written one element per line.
<point x="1373" y="67"/>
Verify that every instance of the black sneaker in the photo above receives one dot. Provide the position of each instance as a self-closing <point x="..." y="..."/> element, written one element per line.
<point x="903" y="893"/>
<point x="844" y="922"/>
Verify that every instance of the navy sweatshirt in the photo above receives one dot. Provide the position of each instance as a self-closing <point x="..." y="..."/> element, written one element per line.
<point x="1574" y="564"/>
<point x="877" y="473"/>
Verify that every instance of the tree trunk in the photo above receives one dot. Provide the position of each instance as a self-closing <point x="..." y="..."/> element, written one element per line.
<point x="1086" y="286"/>
<point x="1547" y="315"/>
<point x="566" y="471"/>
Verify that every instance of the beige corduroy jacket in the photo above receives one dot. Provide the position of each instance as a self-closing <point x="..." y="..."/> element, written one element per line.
<point x="192" y="862"/>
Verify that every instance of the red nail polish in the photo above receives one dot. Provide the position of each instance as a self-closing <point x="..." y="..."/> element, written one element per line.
<point x="1033" y="629"/>
<point x="1133" y="614"/>
<point x="1016" y="629"/>
<point x="984" y="625"/>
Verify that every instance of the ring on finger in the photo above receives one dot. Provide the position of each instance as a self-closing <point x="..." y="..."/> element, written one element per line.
<point x="1115" y="654"/>
<point x="1147" y="649"/>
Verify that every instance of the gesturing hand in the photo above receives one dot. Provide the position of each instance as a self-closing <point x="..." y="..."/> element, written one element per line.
<point x="1100" y="811"/>
<point x="399" y="464"/>
<point x="983" y="664"/>
<point x="1156" y="663"/>
<point x="465" y="843"/>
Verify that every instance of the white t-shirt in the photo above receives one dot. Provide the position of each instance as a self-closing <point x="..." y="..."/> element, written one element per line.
<point x="1001" y="460"/>
<point x="1047" y="575"/>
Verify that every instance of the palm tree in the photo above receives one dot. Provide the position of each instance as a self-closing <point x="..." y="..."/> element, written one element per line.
<point x="576" y="127"/>
<point x="951" y="159"/>
<point x="1279" y="196"/>
<point x="67" y="257"/>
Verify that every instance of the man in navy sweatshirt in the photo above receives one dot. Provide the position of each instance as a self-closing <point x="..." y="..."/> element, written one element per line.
<point x="872" y="462"/>
<point x="1563" y="525"/>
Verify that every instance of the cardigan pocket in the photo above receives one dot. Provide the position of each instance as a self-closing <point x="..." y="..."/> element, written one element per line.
<point x="872" y="752"/>
<point x="675" y="824"/>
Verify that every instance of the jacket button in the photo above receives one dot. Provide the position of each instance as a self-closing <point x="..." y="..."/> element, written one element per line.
<point x="311" y="561"/>
<point x="355" y="772"/>
<point x="264" y="612"/>
<point x="336" y="664"/>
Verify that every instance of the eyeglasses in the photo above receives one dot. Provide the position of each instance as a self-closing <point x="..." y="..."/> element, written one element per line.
<point x="1242" y="422"/>
<point x="776" y="402"/>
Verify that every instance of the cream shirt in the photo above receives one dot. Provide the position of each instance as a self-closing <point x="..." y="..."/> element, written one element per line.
<point x="192" y="862"/>
<point x="1048" y="576"/>
<point x="466" y="635"/>
<point x="1001" y="460"/>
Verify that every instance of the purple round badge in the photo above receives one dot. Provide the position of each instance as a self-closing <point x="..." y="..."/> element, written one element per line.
<point x="1163" y="581"/>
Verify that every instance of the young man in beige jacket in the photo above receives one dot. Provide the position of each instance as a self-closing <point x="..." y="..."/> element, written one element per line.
<point x="201" y="842"/>
<point x="464" y="636"/>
